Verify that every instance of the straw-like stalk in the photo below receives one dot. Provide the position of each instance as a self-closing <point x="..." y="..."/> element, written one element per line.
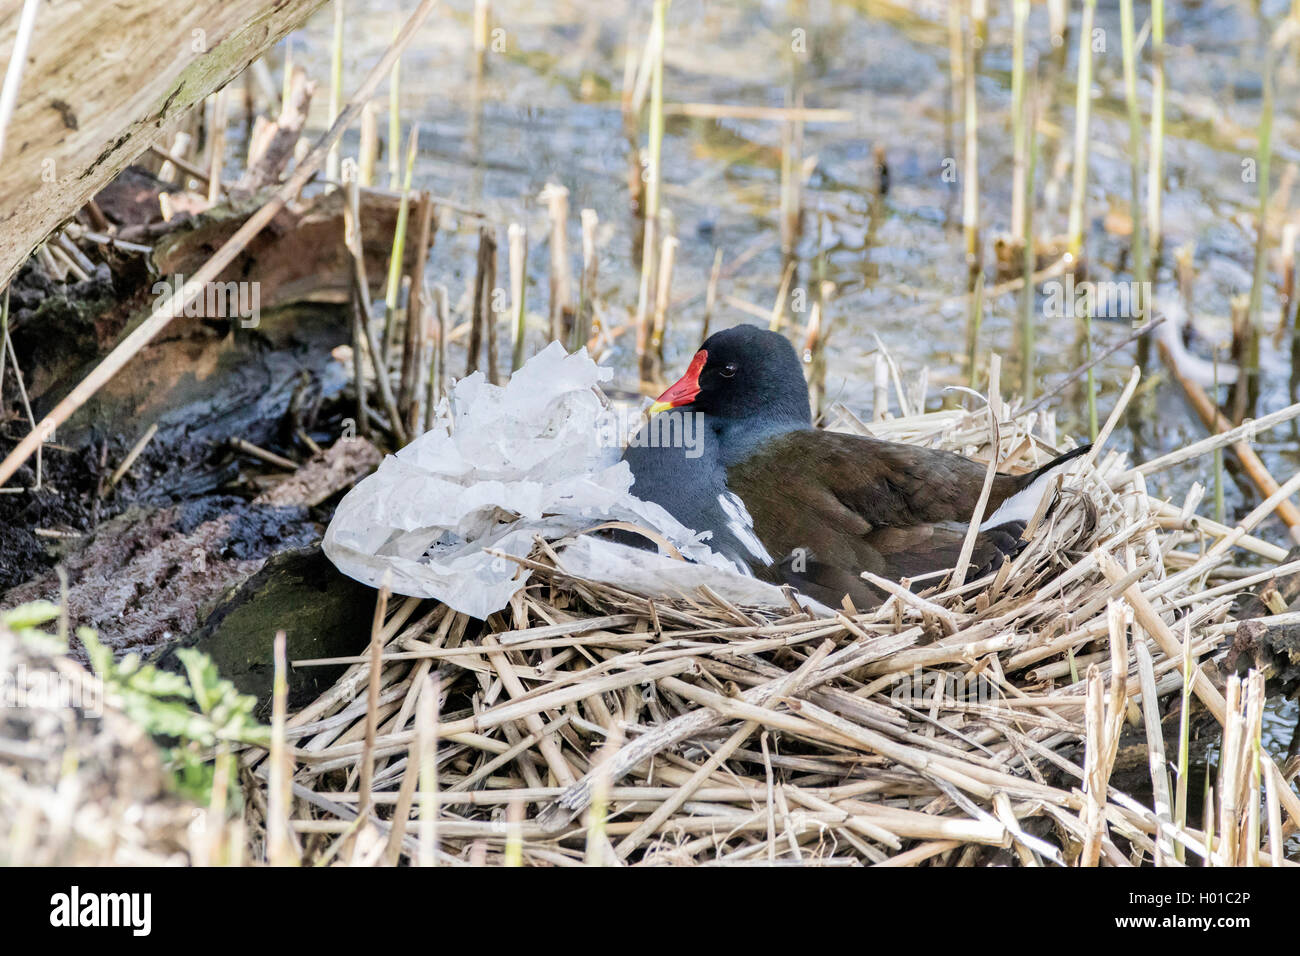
<point x="518" y="239"/>
<point x="368" y="150"/>
<point x="279" y="841"/>
<point x="1092" y="374"/>
<point x="1156" y="763"/>
<point x="790" y="215"/>
<point x="1208" y="820"/>
<point x="482" y="20"/>
<point x="1020" y="17"/>
<point x="1229" y="785"/>
<point x="1184" y="742"/>
<point x="14" y="68"/>
<point x="363" y="335"/>
<point x="557" y="210"/>
<point x="365" y="779"/>
<point x="1058" y="16"/>
<point x="971" y="171"/>
<point x="667" y="260"/>
<point x="481" y="310"/>
<point x="219" y="105"/>
<point x="514" y="849"/>
<point x="1254" y="743"/>
<point x="974" y="322"/>
<point x="7" y="348"/>
<point x="1156" y="161"/>
<point x="397" y="254"/>
<point x="1094" y="774"/>
<point x="1287" y="287"/>
<point x="414" y="366"/>
<point x="1128" y="42"/>
<point x="585" y="319"/>
<point x="1245" y="353"/>
<point x="395" y="112"/>
<point x="438" y="369"/>
<point x="1030" y="134"/>
<point x="1082" y="114"/>
<point x="777" y="317"/>
<point x="649" y="249"/>
<point x="1264" y="158"/>
<point x="979" y="22"/>
<point x="426" y="732"/>
<point x="1220" y="487"/>
<point x="336" y="88"/>
<point x="711" y="292"/>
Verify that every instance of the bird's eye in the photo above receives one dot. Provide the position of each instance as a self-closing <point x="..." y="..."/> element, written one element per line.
<point x="728" y="370"/>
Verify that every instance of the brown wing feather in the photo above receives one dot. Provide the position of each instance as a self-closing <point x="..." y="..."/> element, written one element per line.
<point x="886" y="483"/>
<point x="840" y="504"/>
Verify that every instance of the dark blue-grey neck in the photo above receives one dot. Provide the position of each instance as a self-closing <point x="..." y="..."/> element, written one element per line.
<point x="738" y="438"/>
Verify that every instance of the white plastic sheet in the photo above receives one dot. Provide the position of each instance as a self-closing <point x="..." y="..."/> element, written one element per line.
<point x="502" y="466"/>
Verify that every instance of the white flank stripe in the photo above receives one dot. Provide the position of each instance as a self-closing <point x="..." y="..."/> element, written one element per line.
<point x="741" y="524"/>
<point x="1022" y="505"/>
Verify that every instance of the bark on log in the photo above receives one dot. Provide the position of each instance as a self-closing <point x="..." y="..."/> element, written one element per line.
<point x="101" y="84"/>
<point x="300" y="257"/>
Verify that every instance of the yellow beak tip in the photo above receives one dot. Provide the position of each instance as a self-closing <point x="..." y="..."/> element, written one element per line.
<point x="659" y="407"/>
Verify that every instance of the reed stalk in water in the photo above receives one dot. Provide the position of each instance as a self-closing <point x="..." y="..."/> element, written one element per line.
<point x="791" y="196"/>
<point x="971" y="172"/>
<point x="667" y="260"/>
<point x="336" y="90"/>
<point x="649" y="248"/>
<point x="956" y="68"/>
<point x="711" y="292"/>
<point x="1135" y="169"/>
<point x="483" y="320"/>
<point x="584" y="320"/>
<point x="1021" y="16"/>
<point x="368" y="149"/>
<point x="1029" y="124"/>
<point x="973" y="324"/>
<point x="395" y="112"/>
<point x="398" y="252"/>
<point x="557" y="210"/>
<point x="438" y="369"/>
<point x="1277" y="44"/>
<point x="1082" y="114"/>
<point x="1156" y="161"/>
<point x="518" y="237"/>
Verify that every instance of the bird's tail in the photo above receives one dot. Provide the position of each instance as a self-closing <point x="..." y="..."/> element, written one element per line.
<point x="1022" y="505"/>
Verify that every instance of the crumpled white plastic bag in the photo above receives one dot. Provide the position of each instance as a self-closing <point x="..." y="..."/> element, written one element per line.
<point x="501" y="466"/>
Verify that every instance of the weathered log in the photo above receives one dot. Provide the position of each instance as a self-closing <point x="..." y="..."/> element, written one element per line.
<point x="300" y="257"/>
<point x="102" y="82"/>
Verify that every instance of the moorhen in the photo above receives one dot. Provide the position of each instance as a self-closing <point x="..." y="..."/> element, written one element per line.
<point x="793" y="504"/>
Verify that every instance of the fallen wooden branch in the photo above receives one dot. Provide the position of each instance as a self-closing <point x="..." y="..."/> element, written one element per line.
<point x="1250" y="462"/>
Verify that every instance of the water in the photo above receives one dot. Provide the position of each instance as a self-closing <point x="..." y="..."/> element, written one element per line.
<point x="546" y="108"/>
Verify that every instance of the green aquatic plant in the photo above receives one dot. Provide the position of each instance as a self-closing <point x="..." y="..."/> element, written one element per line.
<point x="189" y="715"/>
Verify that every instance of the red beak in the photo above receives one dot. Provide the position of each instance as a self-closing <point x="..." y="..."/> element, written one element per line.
<point x="684" y="390"/>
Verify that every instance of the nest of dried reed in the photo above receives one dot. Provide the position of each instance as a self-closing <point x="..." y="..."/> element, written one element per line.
<point x="971" y="722"/>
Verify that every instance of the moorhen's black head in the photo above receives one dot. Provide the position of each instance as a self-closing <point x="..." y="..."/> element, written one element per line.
<point x="743" y="373"/>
